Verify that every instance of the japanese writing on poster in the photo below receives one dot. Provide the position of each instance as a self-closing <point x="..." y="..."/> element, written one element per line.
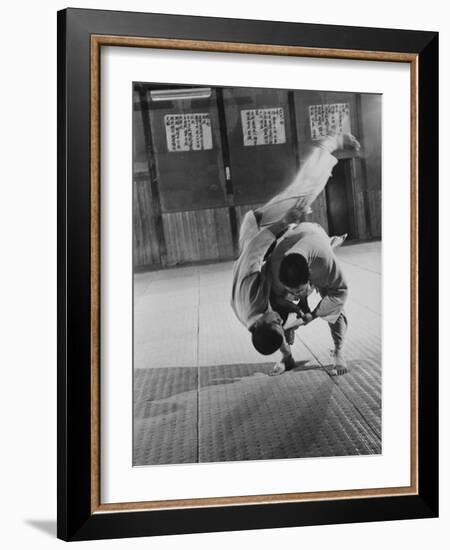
<point x="326" y="119"/>
<point x="188" y="132"/>
<point x="263" y="126"/>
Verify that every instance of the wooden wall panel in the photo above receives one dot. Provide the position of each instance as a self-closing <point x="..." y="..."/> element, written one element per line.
<point x="374" y="197"/>
<point x="370" y="111"/>
<point x="145" y="242"/>
<point x="361" y="224"/>
<point x="371" y="106"/>
<point x="140" y="163"/>
<point x="222" y="226"/>
<point x="195" y="236"/>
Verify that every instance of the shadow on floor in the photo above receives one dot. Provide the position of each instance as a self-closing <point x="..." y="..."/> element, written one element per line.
<point x="239" y="412"/>
<point x="46" y="526"/>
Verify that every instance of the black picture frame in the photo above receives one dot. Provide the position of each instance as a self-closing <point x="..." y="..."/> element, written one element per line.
<point x="76" y="518"/>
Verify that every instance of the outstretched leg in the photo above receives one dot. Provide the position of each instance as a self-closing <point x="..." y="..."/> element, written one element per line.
<point x="310" y="180"/>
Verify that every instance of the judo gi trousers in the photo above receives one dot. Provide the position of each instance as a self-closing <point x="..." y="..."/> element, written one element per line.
<point x="338" y="329"/>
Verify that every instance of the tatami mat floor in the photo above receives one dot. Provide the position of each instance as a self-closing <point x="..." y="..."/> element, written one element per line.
<point x="203" y="394"/>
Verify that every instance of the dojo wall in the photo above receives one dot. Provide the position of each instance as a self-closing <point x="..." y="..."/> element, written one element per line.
<point x="187" y="206"/>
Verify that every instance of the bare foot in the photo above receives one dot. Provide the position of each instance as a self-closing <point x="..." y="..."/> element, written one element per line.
<point x="350" y="142"/>
<point x="287" y="363"/>
<point x="340" y="365"/>
<point x="337" y="371"/>
<point x="277" y="369"/>
<point x="337" y="240"/>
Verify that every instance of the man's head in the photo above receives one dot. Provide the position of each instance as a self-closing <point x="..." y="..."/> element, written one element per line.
<point x="294" y="274"/>
<point x="267" y="333"/>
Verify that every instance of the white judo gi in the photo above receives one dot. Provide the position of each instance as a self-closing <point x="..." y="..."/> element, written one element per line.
<point x="251" y="277"/>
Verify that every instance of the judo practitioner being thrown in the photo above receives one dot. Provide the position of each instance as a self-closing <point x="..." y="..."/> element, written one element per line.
<point x="262" y="230"/>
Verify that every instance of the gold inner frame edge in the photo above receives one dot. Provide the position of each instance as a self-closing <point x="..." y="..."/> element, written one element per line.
<point x="97" y="41"/>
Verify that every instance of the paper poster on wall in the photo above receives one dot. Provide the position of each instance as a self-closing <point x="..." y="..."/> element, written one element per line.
<point x="329" y="118"/>
<point x="188" y="132"/>
<point x="263" y="126"/>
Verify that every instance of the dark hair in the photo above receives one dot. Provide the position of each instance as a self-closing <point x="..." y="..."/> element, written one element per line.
<point x="294" y="270"/>
<point x="267" y="338"/>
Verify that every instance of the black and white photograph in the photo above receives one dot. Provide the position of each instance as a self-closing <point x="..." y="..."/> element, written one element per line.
<point x="224" y="284"/>
<point x="257" y="248"/>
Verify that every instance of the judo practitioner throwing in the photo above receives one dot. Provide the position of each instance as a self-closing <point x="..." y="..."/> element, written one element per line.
<point x="281" y="260"/>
